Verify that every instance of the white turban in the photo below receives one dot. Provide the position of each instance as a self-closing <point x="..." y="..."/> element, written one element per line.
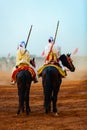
<point x="22" y="44"/>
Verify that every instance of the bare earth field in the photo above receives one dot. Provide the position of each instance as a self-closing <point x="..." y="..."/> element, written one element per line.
<point x="72" y="105"/>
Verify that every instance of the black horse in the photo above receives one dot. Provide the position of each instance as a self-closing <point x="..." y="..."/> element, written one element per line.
<point x="51" y="81"/>
<point x="24" y="79"/>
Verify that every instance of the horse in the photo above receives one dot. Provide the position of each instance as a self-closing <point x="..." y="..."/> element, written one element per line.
<point x="51" y="82"/>
<point x="24" y="80"/>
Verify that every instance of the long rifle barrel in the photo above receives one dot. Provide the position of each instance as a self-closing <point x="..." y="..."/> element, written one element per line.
<point x="28" y="36"/>
<point x="56" y="32"/>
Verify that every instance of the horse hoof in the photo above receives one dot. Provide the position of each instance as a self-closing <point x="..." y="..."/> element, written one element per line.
<point x="27" y="113"/>
<point x="56" y="114"/>
<point x="29" y="110"/>
<point x="18" y="112"/>
<point x="46" y="111"/>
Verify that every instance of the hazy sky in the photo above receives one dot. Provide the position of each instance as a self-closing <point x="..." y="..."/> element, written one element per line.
<point x="16" y="17"/>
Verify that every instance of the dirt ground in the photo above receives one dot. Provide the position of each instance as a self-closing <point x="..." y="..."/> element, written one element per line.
<point x="72" y="105"/>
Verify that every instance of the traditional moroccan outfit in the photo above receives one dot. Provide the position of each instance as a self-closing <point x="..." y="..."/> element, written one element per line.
<point x="22" y="62"/>
<point x="50" y="52"/>
<point x="51" y="55"/>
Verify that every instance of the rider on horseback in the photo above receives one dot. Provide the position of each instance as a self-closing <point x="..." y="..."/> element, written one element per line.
<point x="22" y="59"/>
<point x="52" y="54"/>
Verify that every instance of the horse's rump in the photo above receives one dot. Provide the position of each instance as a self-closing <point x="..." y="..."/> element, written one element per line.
<point x="52" y="74"/>
<point x="24" y="77"/>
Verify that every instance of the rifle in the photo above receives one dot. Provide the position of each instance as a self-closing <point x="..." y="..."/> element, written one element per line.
<point x="53" y="41"/>
<point x="56" y="32"/>
<point x="28" y="36"/>
<point x="55" y="36"/>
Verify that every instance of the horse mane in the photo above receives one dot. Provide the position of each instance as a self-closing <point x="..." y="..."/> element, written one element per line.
<point x="63" y="59"/>
<point x="32" y="62"/>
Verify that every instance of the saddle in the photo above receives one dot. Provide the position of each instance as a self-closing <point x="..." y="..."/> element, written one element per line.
<point x="24" y="67"/>
<point x="54" y="64"/>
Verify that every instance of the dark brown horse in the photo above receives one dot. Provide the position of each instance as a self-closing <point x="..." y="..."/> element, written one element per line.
<point x="51" y="81"/>
<point x="24" y="79"/>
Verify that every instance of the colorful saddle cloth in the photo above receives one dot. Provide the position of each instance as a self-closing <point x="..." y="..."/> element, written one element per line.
<point x="30" y="69"/>
<point x="39" y="71"/>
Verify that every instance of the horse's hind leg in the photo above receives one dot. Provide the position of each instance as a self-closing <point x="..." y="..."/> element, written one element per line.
<point x="21" y="103"/>
<point x="19" y="107"/>
<point x="20" y="92"/>
<point x="54" y="100"/>
<point x="27" y="101"/>
<point x="47" y="100"/>
<point x="23" y="107"/>
<point x="18" y="112"/>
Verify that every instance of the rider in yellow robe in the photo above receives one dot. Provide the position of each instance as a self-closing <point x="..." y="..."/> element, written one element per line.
<point x="22" y="58"/>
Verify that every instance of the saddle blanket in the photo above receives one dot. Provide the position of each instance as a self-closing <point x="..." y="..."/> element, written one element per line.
<point x="31" y="70"/>
<point x="39" y="71"/>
